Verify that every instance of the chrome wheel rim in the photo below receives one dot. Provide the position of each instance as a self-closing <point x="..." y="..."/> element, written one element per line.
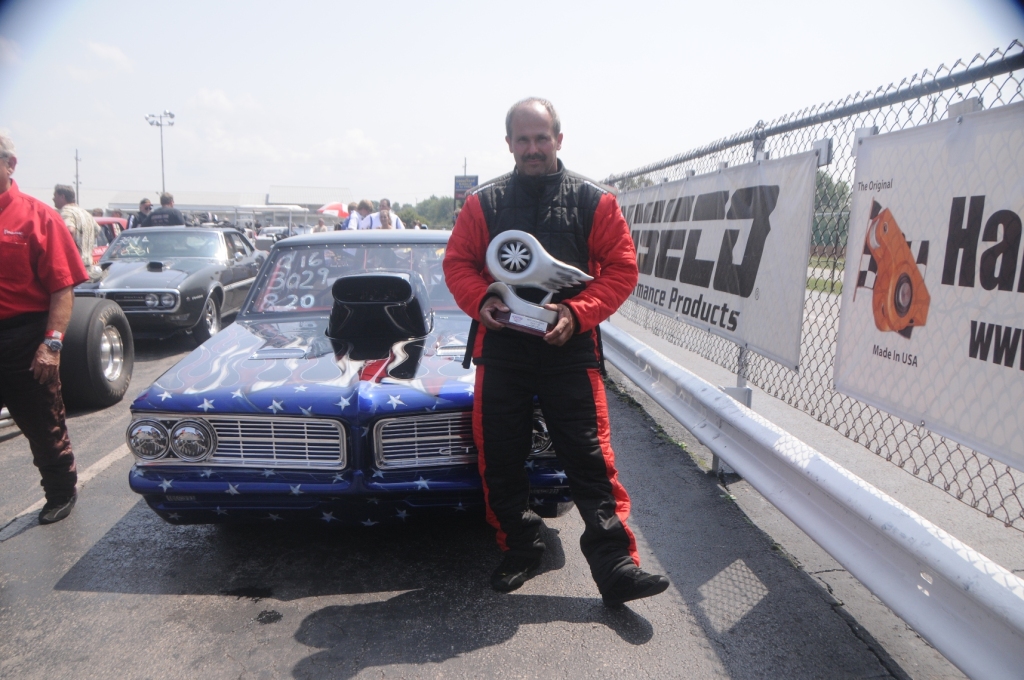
<point x="210" y="317"/>
<point x="111" y="353"/>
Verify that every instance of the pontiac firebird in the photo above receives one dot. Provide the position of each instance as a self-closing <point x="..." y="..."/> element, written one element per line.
<point x="338" y="396"/>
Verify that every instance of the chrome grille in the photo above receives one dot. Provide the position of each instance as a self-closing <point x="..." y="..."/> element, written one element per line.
<point x="424" y="441"/>
<point x="129" y="300"/>
<point x="257" y="441"/>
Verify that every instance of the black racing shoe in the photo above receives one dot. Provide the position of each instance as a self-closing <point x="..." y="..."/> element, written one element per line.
<point x="57" y="509"/>
<point x="634" y="584"/>
<point x="513" y="572"/>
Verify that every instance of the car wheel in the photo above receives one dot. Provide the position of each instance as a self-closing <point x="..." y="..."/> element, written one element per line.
<point x="209" y="321"/>
<point x="99" y="354"/>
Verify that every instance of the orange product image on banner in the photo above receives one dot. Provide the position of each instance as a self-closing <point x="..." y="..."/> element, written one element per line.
<point x="900" y="299"/>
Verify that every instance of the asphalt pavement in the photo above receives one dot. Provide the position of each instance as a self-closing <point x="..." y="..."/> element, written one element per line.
<point x="113" y="591"/>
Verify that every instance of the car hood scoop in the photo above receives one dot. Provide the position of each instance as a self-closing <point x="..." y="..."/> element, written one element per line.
<point x="373" y="311"/>
<point x="156" y="266"/>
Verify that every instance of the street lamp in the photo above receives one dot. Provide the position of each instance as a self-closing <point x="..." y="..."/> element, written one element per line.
<point x="158" y="120"/>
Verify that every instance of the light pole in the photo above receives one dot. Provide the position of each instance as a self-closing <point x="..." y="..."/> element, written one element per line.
<point x="157" y="119"/>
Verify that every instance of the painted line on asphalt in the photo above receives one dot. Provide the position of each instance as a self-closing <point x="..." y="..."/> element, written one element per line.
<point x="17" y="525"/>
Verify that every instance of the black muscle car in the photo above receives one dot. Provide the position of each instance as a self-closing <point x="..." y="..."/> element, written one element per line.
<point x="168" y="279"/>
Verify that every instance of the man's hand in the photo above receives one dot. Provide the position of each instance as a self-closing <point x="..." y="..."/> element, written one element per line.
<point x="491" y="305"/>
<point x="564" y="328"/>
<point x="46" y="365"/>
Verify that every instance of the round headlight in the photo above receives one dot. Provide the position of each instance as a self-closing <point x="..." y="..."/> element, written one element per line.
<point x="192" y="440"/>
<point x="152" y="300"/>
<point x="167" y="300"/>
<point x="148" y="439"/>
<point x="541" y="438"/>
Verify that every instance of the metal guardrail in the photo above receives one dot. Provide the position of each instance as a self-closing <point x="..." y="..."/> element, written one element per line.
<point x="965" y="605"/>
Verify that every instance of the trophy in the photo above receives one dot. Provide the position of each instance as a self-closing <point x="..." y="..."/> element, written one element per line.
<point x="517" y="260"/>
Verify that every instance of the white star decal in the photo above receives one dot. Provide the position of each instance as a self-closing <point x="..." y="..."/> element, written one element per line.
<point x="373" y="501"/>
<point x="233" y="489"/>
<point x="274" y="518"/>
<point x="369" y="523"/>
<point x="275" y="406"/>
<point x="207" y="472"/>
<point x="237" y="394"/>
<point x="469" y="390"/>
<point x="378" y="473"/>
<point x="560" y="476"/>
<point x="296" y="490"/>
<point x="402" y="514"/>
<point x="301" y="388"/>
<point x="394" y="400"/>
<point x="206" y="405"/>
<point x="268" y="473"/>
<point x="343" y="403"/>
<point x="328" y="517"/>
<point x="174" y="515"/>
<point x="166" y="484"/>
<point x="460" y="507"/>
<point x="422" y="483"/>
<point x="164" y="396"/>
<point x="529" y="465"/>
<point x="307" y="411"/>
<point x="536" y="501"/>
<point x="136" y="472"/>
<point x="221" y="511"/>
<point x="338" y="477"/>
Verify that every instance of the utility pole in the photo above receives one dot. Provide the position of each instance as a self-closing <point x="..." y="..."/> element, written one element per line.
<point x="77" y="199"/>
<point x="158" y="121"/>
<point x="463" y="165"/>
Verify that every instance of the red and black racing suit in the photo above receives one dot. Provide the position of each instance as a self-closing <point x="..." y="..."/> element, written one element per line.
<point x="581" y="224"/>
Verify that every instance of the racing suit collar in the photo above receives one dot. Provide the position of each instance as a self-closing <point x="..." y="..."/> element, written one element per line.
<point x="535" y="186"/>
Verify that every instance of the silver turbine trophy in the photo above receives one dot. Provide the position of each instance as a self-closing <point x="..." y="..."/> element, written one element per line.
<point x="516" y="259"/>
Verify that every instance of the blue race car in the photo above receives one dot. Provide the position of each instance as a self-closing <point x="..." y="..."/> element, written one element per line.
<point x="338" y="395"/>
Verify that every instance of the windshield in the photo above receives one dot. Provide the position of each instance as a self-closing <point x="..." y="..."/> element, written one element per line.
<point x="299" y="279"/>
<point x="165" y="245"/>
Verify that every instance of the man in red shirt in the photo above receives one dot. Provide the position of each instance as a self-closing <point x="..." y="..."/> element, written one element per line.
<point x="581" y="224"/>
<point x="40" y="266"/>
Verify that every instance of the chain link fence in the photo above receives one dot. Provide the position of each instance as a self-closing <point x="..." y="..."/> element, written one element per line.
<point x="982" y="82"/>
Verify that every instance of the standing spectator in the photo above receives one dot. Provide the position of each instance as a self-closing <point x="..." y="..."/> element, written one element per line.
<point x="385" y="218"/>
<point x="363" y="211"/>
<point x="164" y="216"/>
<point x="41" y="264"/>
<point x="97" y="212"/>
<point x="352" y="221"/>
<point x="80" y="223"/>
<point x="320" y="226"/>
<point x="145" y="207"/>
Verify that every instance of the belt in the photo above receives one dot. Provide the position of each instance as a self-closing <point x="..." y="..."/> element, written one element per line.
<point x="21" y="320"/>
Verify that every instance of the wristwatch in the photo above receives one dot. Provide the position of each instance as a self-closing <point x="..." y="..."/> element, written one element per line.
<point x="53" y="344"/>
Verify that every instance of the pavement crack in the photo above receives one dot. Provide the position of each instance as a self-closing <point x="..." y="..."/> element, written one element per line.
<point x="825" y="571"/>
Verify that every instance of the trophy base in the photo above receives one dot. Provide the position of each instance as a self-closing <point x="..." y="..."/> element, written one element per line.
<point x="525" y="324"/>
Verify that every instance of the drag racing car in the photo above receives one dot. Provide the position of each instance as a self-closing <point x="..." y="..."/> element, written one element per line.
<point x="169" y="279"/>
<point x="337" y="396"/>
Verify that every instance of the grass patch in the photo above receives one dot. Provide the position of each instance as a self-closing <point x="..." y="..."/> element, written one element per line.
<point x="828" y="262"/>
<point x="833" y="286"/>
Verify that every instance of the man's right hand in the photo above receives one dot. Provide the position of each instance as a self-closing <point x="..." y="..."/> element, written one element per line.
<point x="491" y="305"/>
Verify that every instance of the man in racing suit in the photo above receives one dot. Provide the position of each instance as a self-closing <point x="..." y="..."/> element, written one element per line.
<point x="580" y="224"/>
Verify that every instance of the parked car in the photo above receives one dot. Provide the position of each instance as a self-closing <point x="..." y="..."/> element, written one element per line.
<point x="168" y="279"/>
<point x="110" y="228"/>
<point x="338" y="395"/>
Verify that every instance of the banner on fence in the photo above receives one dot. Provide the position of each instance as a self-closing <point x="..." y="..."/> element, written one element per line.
<point x="727" y="251"/>
<point x="933" y="293"/>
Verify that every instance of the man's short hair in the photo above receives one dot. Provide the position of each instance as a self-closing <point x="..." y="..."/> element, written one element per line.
<point x="556" y="122"/>
<point x="384" y="204"/>
<point x="166" y="199"/>
<point x="6" y="148"/>
<point x="144" y="202"/>
<point x="65" y="192"/>
<point x="365" y="204"/>
<point x="353" y="206"/>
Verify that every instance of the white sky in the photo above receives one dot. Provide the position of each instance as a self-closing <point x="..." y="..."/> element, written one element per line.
<point x="386" y="98"/>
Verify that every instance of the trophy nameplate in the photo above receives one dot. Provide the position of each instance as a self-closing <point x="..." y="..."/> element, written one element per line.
<point x="517" y="260"/>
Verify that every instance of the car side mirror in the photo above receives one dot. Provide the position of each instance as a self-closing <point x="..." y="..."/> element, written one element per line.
<point x="238" y="257"/>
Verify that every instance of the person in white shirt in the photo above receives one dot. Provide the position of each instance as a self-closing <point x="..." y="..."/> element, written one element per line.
<point x="352" y="221"/>
<point x="385" y="218"/>
<point x="362" y="214"/>
<point x="320" y="226"/>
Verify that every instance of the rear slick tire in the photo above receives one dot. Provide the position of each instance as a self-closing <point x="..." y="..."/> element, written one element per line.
<point x="98" y="356"/>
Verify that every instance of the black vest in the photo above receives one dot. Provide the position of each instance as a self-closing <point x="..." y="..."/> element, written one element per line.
<point x="558" y="209"/>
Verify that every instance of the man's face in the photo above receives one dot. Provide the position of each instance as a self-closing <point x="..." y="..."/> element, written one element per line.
<point x="6" y="170"/>
<point x="59" y="201"/>
<point x="146" y="208"/>
<point x="363" y="212"/>
<point x="533" y="143"/>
